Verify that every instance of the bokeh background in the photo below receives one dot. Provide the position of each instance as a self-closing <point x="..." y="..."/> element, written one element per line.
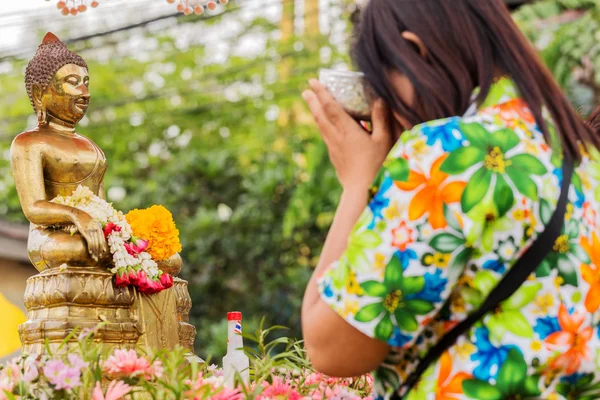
<point x="203" y="115"/>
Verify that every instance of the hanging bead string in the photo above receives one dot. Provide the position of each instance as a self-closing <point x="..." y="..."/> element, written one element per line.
<point x="74" y="7"/>
<point x="195" y="6"/>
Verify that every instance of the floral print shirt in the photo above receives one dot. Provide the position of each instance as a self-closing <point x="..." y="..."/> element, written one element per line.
<point x="457" y="202"/>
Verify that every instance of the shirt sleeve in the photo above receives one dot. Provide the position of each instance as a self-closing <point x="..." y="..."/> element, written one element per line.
<point x="408" y="248"/>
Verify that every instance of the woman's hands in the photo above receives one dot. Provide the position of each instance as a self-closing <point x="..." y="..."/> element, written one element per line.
<point x="92" y="232"/>
<point x="355" y="154"/>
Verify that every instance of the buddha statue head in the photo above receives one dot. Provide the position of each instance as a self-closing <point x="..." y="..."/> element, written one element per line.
<point x="57" y="83"/>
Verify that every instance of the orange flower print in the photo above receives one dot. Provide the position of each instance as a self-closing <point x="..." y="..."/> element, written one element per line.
<point x="572" y="341"/>
<point x="591" y="273"/>
<point x="449" y="388"/>
<point x="589" y="214"/>
<point x="514" y="112"/>
<point x="402" y="236"/>
<point x="433" y="195"/>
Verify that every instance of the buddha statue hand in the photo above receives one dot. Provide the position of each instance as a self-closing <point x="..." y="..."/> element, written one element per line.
<point x="92" y="232"/>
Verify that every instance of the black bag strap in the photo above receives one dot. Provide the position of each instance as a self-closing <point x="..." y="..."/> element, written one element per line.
<point x="511" y="281"/>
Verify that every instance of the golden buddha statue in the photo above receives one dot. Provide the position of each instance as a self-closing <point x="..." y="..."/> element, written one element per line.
<point x="74" y="289"/>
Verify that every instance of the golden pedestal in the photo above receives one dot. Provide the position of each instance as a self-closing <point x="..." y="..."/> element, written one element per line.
<point x="60" y="300"/>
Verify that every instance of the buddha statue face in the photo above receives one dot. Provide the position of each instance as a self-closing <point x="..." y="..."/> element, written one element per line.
<point x="57" y="83"/>
<point x="67" y="96"/>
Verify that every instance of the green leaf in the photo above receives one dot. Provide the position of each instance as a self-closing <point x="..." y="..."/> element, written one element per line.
<point x="515" y="322"/>
<point x="545" y="267"/>
<point x="357" y="258"/>
<point x="512" y="373"/>
<point x="385" y="328"/>
<point x="506" y="139"/>
<point x="374" y="288"/>
<point x="573" y="229"/>
<point x="476" y="189"/>
<point x="528" y="164"/>
<point x="577" y="182"/>
<point x="485" y="281"/>
<point x="451" y="219"/>
<point x="459" y="263"/>
<point x="531" y="386"/>
<point x="525" y="185"/>
<point x="392" y="278"/>
<point x="369" y="312"/>
<point x="339" y="275"/>
<point x="418" y="306"/>
<point x="398" y="169"/>
<point x="406" y="321"/>
<point x="412" y="284"/>
<point x="580" y="253"/>
<point x="446" y="243"/>
<point x="476" y="134"/>
<point x="462" y="159"/>
<point x="480" y="390"/>
<point x="545" y="211"/>
<point x="367" y="239"/>
<point x="497" y="328"/>
<point x="503" y="196"/>
<point x="566" y="270"/>
<point x="523" y="296"/>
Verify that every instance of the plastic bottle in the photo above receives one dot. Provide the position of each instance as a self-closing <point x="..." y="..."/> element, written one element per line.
<point x="235" y="360"/>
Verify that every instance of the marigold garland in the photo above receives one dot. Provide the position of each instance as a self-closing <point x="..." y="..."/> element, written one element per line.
<point x="156" y="225"/>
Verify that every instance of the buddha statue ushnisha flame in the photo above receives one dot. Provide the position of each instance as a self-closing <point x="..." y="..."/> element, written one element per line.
<point x="52" y="159"/>
<point x="74" y="289"/>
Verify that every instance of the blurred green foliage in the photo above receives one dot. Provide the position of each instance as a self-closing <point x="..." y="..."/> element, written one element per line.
<point x="230" y="149"/>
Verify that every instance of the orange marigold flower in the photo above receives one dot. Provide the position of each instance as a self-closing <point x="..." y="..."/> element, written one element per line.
<point x="156" y="225"/>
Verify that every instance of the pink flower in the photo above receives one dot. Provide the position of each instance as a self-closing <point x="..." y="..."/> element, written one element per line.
<point x="76" y="362"/>
<point x="166" y="280"/>
<point x="116" y="390"/>
<point x="203" y="387"/>
<point x="278" y="388"/>
<point x="122" y="278"/>
<point x="68" y="378"/>
<point x="110" y="228"/>
<point x="136" y="246"/>
<point x="52" y="369"/>
<point x="149" y="286"/>
<point x="30" y="369"/>
<point x="127" y="364"/>
<point x="6" y="384"/>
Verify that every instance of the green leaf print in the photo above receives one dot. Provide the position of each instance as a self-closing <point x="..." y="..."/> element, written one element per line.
<point x="476" y="134"/>
<point x="508" y="316"/>
<point x="512" y="382"/>
<point x="524" y="184"/>
<point x="503" y="196"/>
<point x="398" y="169"/>
<point x="446" y="243"/>
<point x="391" y="295"/>
<point x="451" y="219"/>
<point x="462" y="159"/>
<point x="545" y="211"/>
<point x="476" y="189"/>
<point x="528" y="164"/>
<point x="358" y="244"/>
<point x="505" y="139"/>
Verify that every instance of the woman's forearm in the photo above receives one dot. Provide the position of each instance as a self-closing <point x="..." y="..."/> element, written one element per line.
<point x="352" y="204"/>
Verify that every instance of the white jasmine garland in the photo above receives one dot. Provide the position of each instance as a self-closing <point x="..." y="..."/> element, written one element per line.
<point x="102" y="211"/>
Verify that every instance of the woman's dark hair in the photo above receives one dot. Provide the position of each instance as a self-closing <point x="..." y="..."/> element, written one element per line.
<point x="467" y="42"/>
<point x="594" y="121"/>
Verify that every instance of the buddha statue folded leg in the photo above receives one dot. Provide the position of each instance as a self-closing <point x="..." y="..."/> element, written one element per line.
<point x="80" y="296"/>
<point x="51" y="248"/>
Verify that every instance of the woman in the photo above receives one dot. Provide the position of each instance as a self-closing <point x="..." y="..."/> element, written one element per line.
<point x="470" y="185"/>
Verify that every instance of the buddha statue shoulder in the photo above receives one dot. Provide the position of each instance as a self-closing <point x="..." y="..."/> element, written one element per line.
<point x="53" y="159"/>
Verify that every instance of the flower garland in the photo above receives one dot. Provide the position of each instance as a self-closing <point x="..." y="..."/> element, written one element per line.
<point x="133" y="266"/>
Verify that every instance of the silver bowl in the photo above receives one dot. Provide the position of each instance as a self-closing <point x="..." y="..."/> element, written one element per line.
<point x="348" y="89"/>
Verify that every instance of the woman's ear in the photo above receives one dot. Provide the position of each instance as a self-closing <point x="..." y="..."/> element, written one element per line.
<point x="417" y="42"/>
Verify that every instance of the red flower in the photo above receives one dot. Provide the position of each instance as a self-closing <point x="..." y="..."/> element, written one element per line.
<point x="166" y="280"/>
<point x="122" y="278"/>
<point x="110" y="228"/>
<point x="136" y="246"/>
